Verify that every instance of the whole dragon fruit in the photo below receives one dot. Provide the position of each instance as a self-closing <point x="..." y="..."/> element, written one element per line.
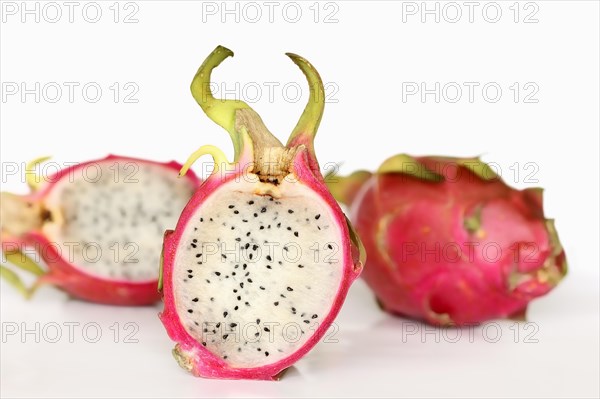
<point x="449" y="242"/>
<point x="97" y="225"/>
<point x="262" y="256"/>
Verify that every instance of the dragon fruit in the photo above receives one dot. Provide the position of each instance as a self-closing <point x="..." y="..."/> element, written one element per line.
<point x="262" y="256"/>
<point x="97" y="225"/>
<point x="449" y="242"/>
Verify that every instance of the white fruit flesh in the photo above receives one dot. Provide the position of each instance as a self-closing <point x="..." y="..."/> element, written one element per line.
<point x="257" y="269"/>
<point x="108" y="219"/>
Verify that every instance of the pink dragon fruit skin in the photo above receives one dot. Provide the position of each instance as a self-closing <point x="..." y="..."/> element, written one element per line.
<point x="448" y="242"/>
<point x="39" y="221"/>
<point x="229" y="310"/>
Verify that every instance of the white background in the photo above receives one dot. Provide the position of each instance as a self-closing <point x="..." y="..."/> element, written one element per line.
<point x="367" y="56"/>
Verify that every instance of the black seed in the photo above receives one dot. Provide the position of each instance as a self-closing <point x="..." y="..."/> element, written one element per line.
<point x="263" y="209"/>
<point x="248" y="234"/>
<point x="281" y="295"/>
<point x="266" y="329"/>
<point x="218" y="325"/>
<point x="314" y="316"/>
<point x="262" y="288"/>
<point x="190" y="311"/>
<point x="256" y="215"/>
<point x="269" y="226"/>
<point x="285" y="249"/>
<point x="261" y="228"/>
<point x="232" y="228"/>
<point x="233" y="325"/>
<point x="269" y="258"/>
<point x="194" y="245"/>
<point x="266" y="353"/>
<point x="225" y="337"/>
<point x="245" y="266"/>
<point x="280" y="262"/>
<point x="211" y="219"/>
<point x="293" y="309"/>
<point x="290" y="289"/>
<point x="225" y="357"/>
<point x="196" y="323"/>
<point x="250" y="202"/>
<point x="205" y="330"/>
<point x="300" y="266"/>
<point x="276" y="303"/>
<point x="204" y="343"/>
<point x="201" y="220"/>
<point x="236" y="266"/>
<point x="239" y="349"/>
<point x="212" y="299"/>
<point x="258" y="349"/>
<point x="247" y="274"/>
<point x="307" y="322"/>
<point x="241" y="285"/>
<point x="247" y="246"/>
<point x="257" y="321"/>
<point x="236" y="308"/>
<point x="318" y="216"/>
<point x="255" y="247"/>
<point x="233" y="273"/>
<point x="289" y="229"/>
<point x="194" y="240"/>
<point x="290" y="211"/>
<point x="250" y="256"/>
<point x="231" y="206"/>
<point x="238" y="239"/>
<point x="190" y="271"/>
<point x="225" y="314"/>
<point x="208" y="281"/>
<point x="239" y="298"/>
<point x="278" y="225"/>
<point x="296" y="233"/>
<point x="190" y="276"/>
<point x="198" y="255"/>
<point x="235" y="290"/>
<point x="195" y="300"/>
<point x="329" y="246"/>
<point x="256" y="334"/>
<point x="218" y="273"/>
<point x="224" y="256"/>
<point x="268" y="266"/>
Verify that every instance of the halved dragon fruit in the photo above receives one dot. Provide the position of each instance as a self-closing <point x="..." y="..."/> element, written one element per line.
<point x="449" y="242"/>
<point x="262" y="256"/>
<point x="97" y="225"/>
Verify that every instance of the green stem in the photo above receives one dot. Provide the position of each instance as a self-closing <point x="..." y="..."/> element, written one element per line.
<point x="308" y="124"/>
<point x="222" y="112"/>
<point x="32" y="179"/>
<point x="23" y="262"/>
<point x="218" y="156"/>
